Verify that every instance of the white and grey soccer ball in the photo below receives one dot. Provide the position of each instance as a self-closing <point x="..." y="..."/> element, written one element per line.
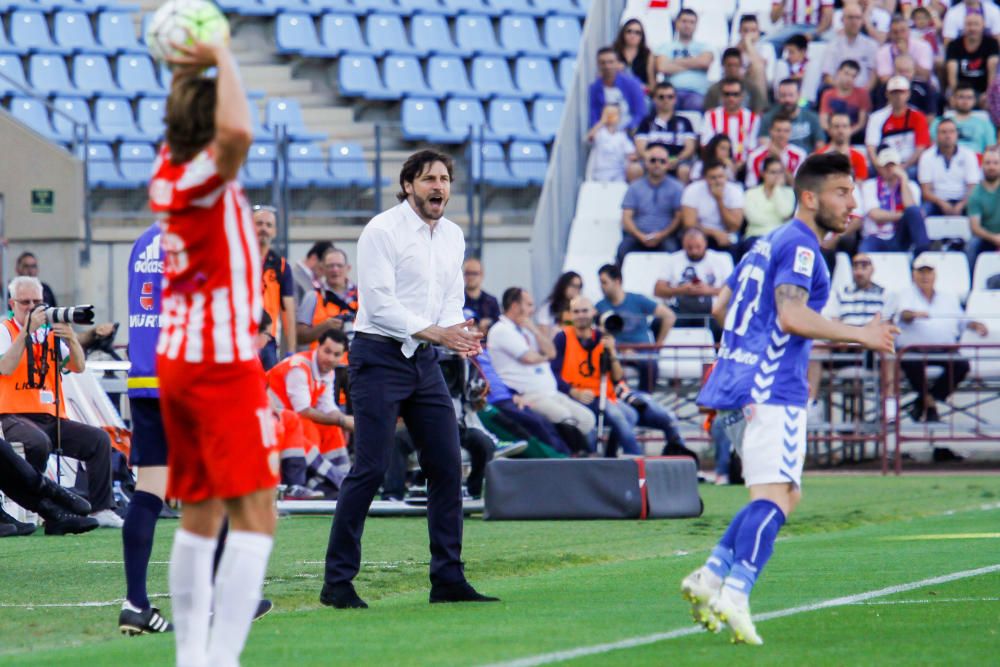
<point x="184" y="22"/>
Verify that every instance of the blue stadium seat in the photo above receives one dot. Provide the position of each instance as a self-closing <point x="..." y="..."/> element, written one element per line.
<point x="430" y="35"/>
<point x="261" y="134"/>
<point x="29" y="30"/>
<point x="149" y="116"/>
<point x="535" y="76"/>
<point x="77" y="109"/>
<point x="307" y="166"/>
<point x="259" y="169"/>
<point x="92" y="75"/>
<point x="137" y="75"/>
<point x="113" y="118"/>
<point x="529" y="160"/>
<point x="469" y="7"/>
<point x="94" y="6"/>
<point x="358" y="77"/>
<point x="546" y="115"/>
<point x="5" y="45"/>
<point x="519" y="35"/>
<point x="348" y="165"/>
<point x="379" y="6"/>
<point x="509" y="119"/>
<point x="33" y="113"/>
<point x="422" y="122"/>
<point x="462" y="114"/>
<point x="385" y="34"/>
<point x="135" y="161"/>
<point x="490" y="165"/>
<point x="102" y="172"/>
<point x="116" y="30"/>
<point x="474" y="34"/>
<point x="72" y="30"/>
<point x="245" y="8"/>
<point x="11" y="67"/>
<point x="287" y="112"/>
<point x="492" y="75"/>
<point x="523" y="7"/>
<point x="446" y="75"/>
<point x="424" y="7"/>
<point x="402" y="74"/>
<point x="567" y="72"/>
<point x="563" y="7"/>
<point x="342" y="33"/>
<point x="562" y="34"/>
<point x="48" y="74"/>
<point x="338" y="7"/>
<point x="295" y="33"/>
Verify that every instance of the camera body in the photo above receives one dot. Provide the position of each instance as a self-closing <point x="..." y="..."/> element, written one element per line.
<point x="70" y="314"/>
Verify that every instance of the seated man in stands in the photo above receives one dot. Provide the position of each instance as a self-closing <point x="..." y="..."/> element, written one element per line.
<point x="27" y="404"/>
<point x="984" y="209"/>
<point x="651" y="207"/>
<point x="304" y="383"/>
<point x="664" y="126"/>
<point x="692" y="278"/>
<point x="714" y="205"/>
<point x="890" y="203"/>
<point x="480" y="305"/>
<point x="948" y="173"/>
<point x="332" y="306"/>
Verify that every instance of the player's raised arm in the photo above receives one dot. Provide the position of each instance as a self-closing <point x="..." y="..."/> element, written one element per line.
<point x="796" y="317"/>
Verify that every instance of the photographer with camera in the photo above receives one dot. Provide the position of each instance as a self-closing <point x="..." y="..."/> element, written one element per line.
<point x="333" y="306"/>
<point x="29" y="401"/>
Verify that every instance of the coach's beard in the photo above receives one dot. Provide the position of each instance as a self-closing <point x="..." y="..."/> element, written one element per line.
<point x="431" y="208"/>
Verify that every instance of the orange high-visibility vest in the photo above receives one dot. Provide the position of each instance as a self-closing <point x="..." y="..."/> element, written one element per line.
<point x="581" y="368"/>
<point x="15" y="395"/>
<point x="277" y="378"/>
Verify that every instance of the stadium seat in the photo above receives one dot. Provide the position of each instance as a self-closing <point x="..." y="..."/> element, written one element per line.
<point x="889" y="267"/>
<point x="422" y="121"/>
<point x="546" y="116"/>
<point x="72" y="30"/>
<point x="92" y="6"/>
<point x="149" y="116"/>
<point x="102" y="172"/>
<point x="259" y="169"/>
<point x="358" y="77"/>
<point x="462" y="114"/>
<point x="380" y="6"/>
<point x="685" y="352"/>
<point x="135" y="160"/>
<point x="597" y="223"/>
<point x="113" y="118"/>
<point x="983" y="307"/>
<point x="641" y="270"/>
<point x="307" y="166"/>
<point x="48" y="75"/>
<point x="562" y="7"/>
<point x="336" y="6"/>
<point x="29" y="30"/>
<point x="535" y="76"/>
<point x="341" y="33"/>
<point x="446" y="75"/>
<point x="431" y="35"/>
<point x="137" y="75"/>
<point x="519" y="35"/>
<point x="948" y="227"/>
<point x="245" y="8"/>
<point x="567" y="72"/>
<point x="348" y="165"/>
<point x="261" y="134"/>
<point x="424" y="7"/>
<point x="287" y="112"/>
<point x="6" y="47"/>
<point x="491" y="75"/>
<point x="469" y="7"/>
<point x="952" y="273"/>
<point x="402" y="75"/>
<point x="77" y="109"/>
<point x="33" y="113"/>
<point x="490" y="166"/>
<point x="562" y="34"/>
<point x="385" y="34"/>
<point x="529" y="160"/>
<point x="92" y="76"/>
<point x="295" y="34"/>
<point x="474" y="34"/>
<point x="12" y="69"/>
<point x="116" y="30"/>
<point x="987" y="265"/>
<point x="587" y="266"/>
<point x="509" y="119"/>
<point x="522" y="7"/>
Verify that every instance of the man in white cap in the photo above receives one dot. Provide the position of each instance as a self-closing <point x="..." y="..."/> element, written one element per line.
<point x="891" y="206"/>
<point x="900" y="126"/>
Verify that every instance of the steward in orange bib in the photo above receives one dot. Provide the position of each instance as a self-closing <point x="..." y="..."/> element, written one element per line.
<point x="277" y="285"/>
<point x="330" y="307"/>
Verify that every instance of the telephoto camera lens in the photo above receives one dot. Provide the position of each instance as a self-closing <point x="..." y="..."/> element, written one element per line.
<point x="70" y="314"/>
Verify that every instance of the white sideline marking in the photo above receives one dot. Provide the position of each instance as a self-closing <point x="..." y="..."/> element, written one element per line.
<point x="879" y="603"/>
<point x="632" y="642"/>
<point x="106" y="603"/>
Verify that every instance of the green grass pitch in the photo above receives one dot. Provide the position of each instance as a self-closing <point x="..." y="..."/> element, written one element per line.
<point x="568" y="585"/>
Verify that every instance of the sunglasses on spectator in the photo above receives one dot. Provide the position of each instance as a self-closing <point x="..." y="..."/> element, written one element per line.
<point x="732" y="93"/>
<point x="665" y="97"/>
<point x="656" y="160"/>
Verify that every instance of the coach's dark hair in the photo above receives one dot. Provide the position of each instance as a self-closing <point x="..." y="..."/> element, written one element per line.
<point x="611" y="271"/>
<point x="817" y="168"/>
<point x="336" y="335"/>
<point x="190" y="116"/>
<point x="319" y="249"/>
<point x="511" y="295"/>
<point x="416" y="164"/>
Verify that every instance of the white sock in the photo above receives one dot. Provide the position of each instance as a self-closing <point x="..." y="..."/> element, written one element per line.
<point x="191" y="594"/>
<point x="238" y="585"/>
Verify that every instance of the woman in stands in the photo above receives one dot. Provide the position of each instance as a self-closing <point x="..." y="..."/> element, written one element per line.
<point x="216" y="418"/>
<point x="718" y="149"/>
<point x="556" y="312"/>
<point x="631" y="47"/>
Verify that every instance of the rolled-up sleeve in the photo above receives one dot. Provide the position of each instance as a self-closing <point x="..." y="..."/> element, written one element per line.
<point x="377" y="287"/>
<point x="297" y="386"/>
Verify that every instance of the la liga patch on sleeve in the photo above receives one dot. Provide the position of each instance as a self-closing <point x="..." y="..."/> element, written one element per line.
<point x="804" y="260"/>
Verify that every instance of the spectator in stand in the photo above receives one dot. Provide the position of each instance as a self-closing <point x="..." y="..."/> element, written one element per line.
<point x="925" y="28"/>
<point x="902" y="42"/>
<point x="954" y="20"/>
<point x="651" y="207"/>
<point x="332" y="306"/>
<point x="718" y="149"/>
<point x="631" y="48"/>
<point x="769" y="205"/>
<point x="664" y="126"/>
<point x="613" y="153"/>
<point x="790" y="155"/>
<point x="686" y="62"/>
<point x="900" y="126"/>
<point x="846" y="97"/>
<point x="972" y="58"/>
<point x="27" y="265"/>
<point x="308" y="273"/>
<point x="875" y="19"/>
<point x="923" y="95"/>
<point x="521" y="355"/>
<point x="758" y="58"/>
<point x="851" y="44"/>
<point x="732" y="69"/>
<point x="948" y="173"/>
<point x="792" y="67"/>
<point x="692" y="278"/>
<point x="984" y="209"/>
<point x="279" y="287"/>
<point x="741" y="125"/>
<point x="715" y="206"/>
<point x="635" y="311"/>
<point x="929" y="316"/>
<point x="891" y="205"/>
<point x="807" y="133"/>
<point x="613" y="86"/>
<point x="840" y="141"/>
<point x="975" y="131"/>
<point x="480" y="306"/>
<point x="556" y="311"/>
<point x="807" y="17"/>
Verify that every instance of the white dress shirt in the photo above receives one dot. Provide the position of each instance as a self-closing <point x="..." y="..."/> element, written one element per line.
<point x="409" y="276"/>
<point x="945" y="320"/>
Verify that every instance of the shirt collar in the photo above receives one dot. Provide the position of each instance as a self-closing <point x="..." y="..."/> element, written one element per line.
<point x="413" y="221"/>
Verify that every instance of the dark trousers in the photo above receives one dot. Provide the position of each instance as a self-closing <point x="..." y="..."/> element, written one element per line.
<point x="649" y="371"/>
<point x="534" y="424"/>
<point x="955" y="371"/>
<point x="37" y="432"/>
<point x="911" y="232"/>
<point x="384" y="384"/>
<point x="18" y="480"/>
<point x="632" y="244"/>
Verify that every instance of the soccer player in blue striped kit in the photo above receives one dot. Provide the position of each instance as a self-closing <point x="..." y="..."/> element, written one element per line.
<point x="759" y="387"/>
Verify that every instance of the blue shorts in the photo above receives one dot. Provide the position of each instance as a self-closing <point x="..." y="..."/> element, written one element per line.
<point x="149" y="443"/>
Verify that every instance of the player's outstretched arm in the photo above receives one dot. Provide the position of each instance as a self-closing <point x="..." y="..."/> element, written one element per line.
<point x="796" y="317"/>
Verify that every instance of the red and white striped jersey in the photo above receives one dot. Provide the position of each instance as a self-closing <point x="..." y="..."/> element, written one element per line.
<point x="803" y="12"/>
<point x="791" y="157"/>
<point x="741" y="127"/>
<point x="211" y="275"/>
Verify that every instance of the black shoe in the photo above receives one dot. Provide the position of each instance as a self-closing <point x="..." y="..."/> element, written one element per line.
<point x="263" y="607"/>
<point x="341" y="596"/>
<point x="944" y="455"/>
<point x="932" y="415"/>
<point x="148" y="621"/>
<point x="458" y="592"/>
<point x="64" y="497"/>
<point x="21" y="527"/>
<point x="7" y="530"/>
<point x="60" y="522"/>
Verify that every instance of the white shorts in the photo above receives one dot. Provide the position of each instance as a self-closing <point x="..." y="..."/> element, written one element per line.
<point x="773" y="446"/>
